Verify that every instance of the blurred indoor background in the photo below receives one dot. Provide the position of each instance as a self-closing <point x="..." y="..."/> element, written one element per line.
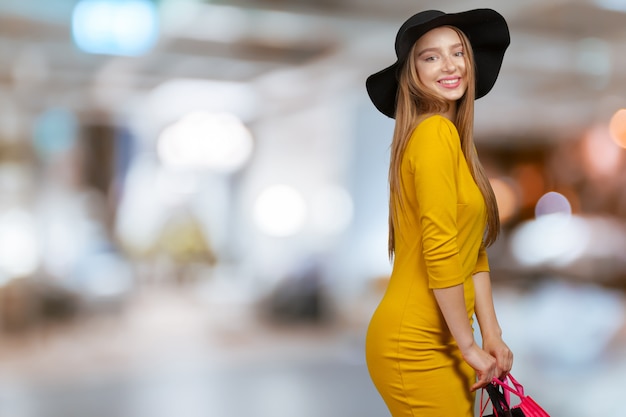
<point x="193" y="204"/>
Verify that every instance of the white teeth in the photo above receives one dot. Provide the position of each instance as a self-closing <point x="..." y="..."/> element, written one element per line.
<point x="449" y="81"/>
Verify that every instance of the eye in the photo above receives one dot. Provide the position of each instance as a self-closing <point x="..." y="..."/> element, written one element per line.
<point x="430" y="58"/>
<point x="459" y="53"/>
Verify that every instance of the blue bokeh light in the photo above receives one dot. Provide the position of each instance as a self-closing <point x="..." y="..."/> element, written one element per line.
<point x="115" y="27"/>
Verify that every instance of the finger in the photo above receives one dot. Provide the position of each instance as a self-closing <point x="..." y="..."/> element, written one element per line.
<point x="479" y="384"/>
<point x="483" y="380"/>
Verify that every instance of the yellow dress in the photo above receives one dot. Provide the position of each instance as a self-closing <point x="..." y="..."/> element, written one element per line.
<point x="412" y="358"/>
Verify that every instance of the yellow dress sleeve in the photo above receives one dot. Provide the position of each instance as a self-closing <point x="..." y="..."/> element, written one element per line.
<point x="482" y="264"/>
<point x="434" y="152"/>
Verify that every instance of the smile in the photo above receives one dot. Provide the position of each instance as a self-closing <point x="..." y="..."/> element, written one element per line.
<point x="451" y="82"/>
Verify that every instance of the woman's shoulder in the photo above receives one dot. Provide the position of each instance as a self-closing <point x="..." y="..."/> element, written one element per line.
<point x="434" y="123"/>
<point x="433" y="129"/>
<point x="433" y="136"/>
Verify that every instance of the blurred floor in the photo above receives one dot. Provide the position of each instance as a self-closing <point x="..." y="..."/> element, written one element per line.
<point x="172" y="353"/>
<point x="169" y="354"/>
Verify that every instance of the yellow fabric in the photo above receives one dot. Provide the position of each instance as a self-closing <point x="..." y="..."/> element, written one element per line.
<point x="411" y="356"/>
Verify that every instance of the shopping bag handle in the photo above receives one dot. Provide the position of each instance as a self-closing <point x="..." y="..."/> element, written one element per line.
<point x="517" y="388"/>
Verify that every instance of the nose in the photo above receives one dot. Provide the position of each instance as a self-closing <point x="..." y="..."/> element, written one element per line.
<point x="448" y="64"/>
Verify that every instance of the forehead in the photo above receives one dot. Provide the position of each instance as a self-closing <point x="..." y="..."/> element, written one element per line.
<point x="440" y="36"/>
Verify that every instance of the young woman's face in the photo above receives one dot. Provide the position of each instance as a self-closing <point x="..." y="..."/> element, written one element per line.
<point x="441" y="63"/>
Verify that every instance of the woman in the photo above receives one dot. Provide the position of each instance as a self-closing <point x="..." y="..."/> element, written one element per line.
<point x="420" y="346"/>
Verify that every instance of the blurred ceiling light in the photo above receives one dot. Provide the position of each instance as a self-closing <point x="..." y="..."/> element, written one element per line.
<point x="553" y="203"/>
<point x="19" y="254"/>
<point x="332" y="210"/>
<point x="553" y="239"/>
<point x="176" y="98"/>
<point x="601" y="156"/>
<point x="280" y="211"/>
<point x="115" y="27"/>
<point x="202" y="140"/>
<point x="617" y="128"/>
<point x="506" y="197"/>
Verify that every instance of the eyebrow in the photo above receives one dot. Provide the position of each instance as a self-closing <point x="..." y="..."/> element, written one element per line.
<point x="423" y="51"/>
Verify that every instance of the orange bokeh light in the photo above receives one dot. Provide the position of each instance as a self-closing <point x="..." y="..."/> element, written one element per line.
<point x="601" y="156"/>
<point x="617" y="127"/>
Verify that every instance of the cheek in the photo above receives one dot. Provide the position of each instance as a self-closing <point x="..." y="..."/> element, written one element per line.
<point x="420" y="72"/>
<point x="423" y="73"/>
<point x="462" y="68"/>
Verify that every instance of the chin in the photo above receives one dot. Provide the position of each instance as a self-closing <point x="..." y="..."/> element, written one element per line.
<point x="451" y="96"/>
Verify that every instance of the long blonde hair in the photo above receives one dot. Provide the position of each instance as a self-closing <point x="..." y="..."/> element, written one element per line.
<point x="413" y="103"/>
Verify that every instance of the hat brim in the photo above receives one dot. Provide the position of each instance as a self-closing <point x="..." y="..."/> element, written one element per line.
<point x="487" y="32"/>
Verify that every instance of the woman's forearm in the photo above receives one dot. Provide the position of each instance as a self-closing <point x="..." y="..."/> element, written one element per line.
<point x="485" y="311"/>
<point x="451" y="302"/>
<point x="489" y="326"/>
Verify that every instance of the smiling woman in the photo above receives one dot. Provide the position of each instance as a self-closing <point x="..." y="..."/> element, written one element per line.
<point x="420" y="347"/>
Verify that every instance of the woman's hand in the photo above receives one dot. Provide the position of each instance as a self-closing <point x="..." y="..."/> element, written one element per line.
<point x="496" y="347"/>
<point x="483" y="363"/>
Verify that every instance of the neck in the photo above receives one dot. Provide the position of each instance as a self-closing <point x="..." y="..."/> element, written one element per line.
<point x="451" y="113"/>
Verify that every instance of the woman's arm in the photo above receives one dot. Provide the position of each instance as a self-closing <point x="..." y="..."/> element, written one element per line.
<point x="489" y="326"/>
<point x="451" y="302"/>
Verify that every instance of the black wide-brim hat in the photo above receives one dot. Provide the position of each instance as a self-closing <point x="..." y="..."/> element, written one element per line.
<point x="486" y="30"/>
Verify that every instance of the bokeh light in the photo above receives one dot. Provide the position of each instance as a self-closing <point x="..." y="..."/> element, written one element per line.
<point x="617" y="128"/>
<point x="280" y="211"/>
<point x="553" y="203"/>
<point x="202" y="140"/>
<point x="19" y="253"/>
<point x="115" y="27"/>
<point x="601" y="156"/>
<point x="554" y="240"/>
